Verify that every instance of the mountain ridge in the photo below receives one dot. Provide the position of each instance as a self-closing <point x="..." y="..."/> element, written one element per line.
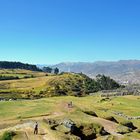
<point x="122" y="70"/>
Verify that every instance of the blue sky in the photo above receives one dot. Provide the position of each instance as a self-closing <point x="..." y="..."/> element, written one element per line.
<point x="53" y="31"/>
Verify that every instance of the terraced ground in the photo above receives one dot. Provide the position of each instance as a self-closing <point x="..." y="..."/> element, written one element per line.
<point x="91" y="113"/>
<point x="31" y="85"/>
<point x="94" y="117"/>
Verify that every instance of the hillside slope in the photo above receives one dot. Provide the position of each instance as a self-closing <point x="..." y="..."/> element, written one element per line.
<point x="39" y="84"/>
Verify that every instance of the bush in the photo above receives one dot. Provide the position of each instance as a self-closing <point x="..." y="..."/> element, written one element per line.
<point x="28" y="76"/>
<point x="88" y="131"/>
<point x="8" y="77"/>
<point x="8" y="135"/>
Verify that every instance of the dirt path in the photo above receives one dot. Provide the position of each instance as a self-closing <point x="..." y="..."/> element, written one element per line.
<point x="26" y="129"/>
<point x="109" y="126"/>
<point x="27" y="134"/>
<point x="6" y="124"/>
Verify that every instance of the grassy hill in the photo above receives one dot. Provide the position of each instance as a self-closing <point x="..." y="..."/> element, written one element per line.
<point x="31" y="84"/>
<point x="20" y="73"/>
<point x="41" y="85"/>
<point x="29" y="81"/>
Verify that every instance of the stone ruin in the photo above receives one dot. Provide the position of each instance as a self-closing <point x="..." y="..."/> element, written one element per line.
<point x="69" y="124"/>
<point x="125" y="116"/>
<point x="119" y="92"/>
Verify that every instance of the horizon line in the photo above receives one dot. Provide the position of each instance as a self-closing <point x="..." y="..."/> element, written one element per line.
<point x="97" y="61"/>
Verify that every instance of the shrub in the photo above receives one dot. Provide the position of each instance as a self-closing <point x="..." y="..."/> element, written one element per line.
<point x="8" y="135"/>
<point x="8" y="77"/>
<point x="88" y="131"/>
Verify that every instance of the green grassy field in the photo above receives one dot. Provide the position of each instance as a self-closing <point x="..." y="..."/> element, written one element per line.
<point x="14" y="111"/>
<point x="28" y="82"/>
<point x="91" y="114"/>
<point x="20" y="73"/>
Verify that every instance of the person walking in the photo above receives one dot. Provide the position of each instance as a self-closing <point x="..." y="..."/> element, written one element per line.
<point x="36" y="128"/>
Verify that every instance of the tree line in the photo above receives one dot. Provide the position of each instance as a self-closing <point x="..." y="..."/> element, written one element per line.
<point x="101" y="82"/>
<point x="51" y="70"/>
<point x="3" y="77"/>
<point x="18" y="65"/>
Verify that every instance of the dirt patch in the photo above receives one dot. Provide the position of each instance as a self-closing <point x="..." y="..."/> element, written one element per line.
<point x="25" y="127"/>
<point x="109" y="126"/>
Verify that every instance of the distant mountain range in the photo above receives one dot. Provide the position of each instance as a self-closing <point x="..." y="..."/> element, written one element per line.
<point x="123" y="71"/>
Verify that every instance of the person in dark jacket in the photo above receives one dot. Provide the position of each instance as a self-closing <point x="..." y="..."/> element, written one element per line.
<point x="36" y="129"/>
